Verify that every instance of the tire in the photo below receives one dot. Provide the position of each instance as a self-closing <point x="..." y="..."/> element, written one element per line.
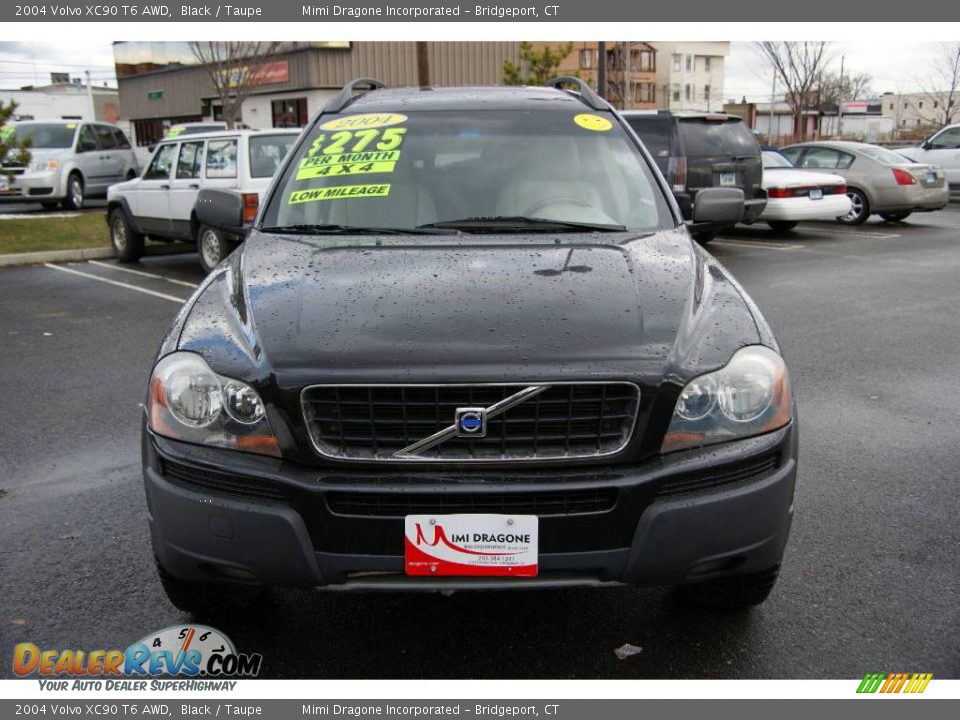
<point x="74" y="198"/>
<point x="127" y="243"/>
<point x="737" y="592"/>
<point x="861" y="209"/>
<point x="782" y="226"/>
<point x="704" y="237"/>
<point x="208" y="600"/>
<point x="212" y="247"/>
<point x="50" y="205"/>
<point x="897" y="216"/>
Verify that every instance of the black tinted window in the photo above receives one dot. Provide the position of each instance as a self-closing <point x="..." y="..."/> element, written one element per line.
<point x="121" y="139"/>
<point x="657" y="135"/>
<point x="106" y="137"/>
<point x="717" y="137"/>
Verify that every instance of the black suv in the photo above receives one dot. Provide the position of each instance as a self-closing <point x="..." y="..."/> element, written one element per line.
<point x="469" y="343"/>
<point x="696" y="150"/>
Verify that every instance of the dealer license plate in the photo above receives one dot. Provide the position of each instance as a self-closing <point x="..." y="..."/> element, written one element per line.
<point x="469" y="545"/>
<point x="816" y="194"/>
<point x="728" y="179"/>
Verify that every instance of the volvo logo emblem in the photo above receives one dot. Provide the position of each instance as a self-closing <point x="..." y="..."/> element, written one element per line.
<point x="471" y="422"/>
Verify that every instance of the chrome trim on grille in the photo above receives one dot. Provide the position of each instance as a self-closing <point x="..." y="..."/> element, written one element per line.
<point x="528" y="391"/>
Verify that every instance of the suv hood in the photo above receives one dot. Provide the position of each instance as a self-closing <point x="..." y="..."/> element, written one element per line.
<point x="477" y="308"/>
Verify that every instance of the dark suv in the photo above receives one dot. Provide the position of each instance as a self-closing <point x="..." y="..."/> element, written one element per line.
<point x="469" y="343"/>
<point x="696" y="150"/>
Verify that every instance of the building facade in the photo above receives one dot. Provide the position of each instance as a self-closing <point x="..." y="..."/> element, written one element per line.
<point x="921" y="112"/>
<point x="161" y="83"/>
<point x="64" y="101"/>
<point x="689" y="75"/>
<point x="630" y="86"/>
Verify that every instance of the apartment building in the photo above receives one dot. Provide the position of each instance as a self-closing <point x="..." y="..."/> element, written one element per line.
<point x="689" y="75"/>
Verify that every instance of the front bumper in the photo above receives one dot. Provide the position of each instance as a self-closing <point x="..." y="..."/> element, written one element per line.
<point x="218" y="515"/>
<point x="34" y="187"/>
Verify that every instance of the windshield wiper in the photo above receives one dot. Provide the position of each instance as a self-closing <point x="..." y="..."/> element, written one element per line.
<point x="520" y="223"/>
<point x="333" y="229"/>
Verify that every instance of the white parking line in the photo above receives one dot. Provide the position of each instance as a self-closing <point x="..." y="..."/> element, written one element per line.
<point x="172" y="298"/>
<point x="112" y="266"/>
<point x="849" y="233"/>
<point x="765" y="244"/>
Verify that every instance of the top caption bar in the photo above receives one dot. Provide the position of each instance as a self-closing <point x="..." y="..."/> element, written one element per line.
<point x="439" y="11"/>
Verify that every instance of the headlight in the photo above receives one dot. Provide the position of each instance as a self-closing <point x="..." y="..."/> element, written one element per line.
<point x="45" y="166"/>
<point x="190" y="402"/>
<point x="750" y="396"/>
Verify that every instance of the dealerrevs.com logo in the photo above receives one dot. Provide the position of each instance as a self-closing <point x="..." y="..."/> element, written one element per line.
<point x="184" y="651"/>
<point x="891" y="683"/>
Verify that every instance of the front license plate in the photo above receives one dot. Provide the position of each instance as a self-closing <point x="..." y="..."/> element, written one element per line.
<point x="728" y="179"/>
<point x="471" y="545"/>
<point x="816" y="194"/>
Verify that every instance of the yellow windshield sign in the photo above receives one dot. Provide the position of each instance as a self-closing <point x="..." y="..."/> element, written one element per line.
<point x="338" y="192"/>
<point x="589" y="121"/>
<point x="362" y="122"/>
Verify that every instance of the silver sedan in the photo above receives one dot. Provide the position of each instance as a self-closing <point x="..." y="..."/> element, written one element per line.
<point x="879" y="181"/>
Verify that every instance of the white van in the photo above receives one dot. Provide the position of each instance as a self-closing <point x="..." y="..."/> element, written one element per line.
<point x="160" y="203"/>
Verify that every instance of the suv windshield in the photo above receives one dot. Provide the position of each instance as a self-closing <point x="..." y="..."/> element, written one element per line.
<point x="45" y="136"/>
<point x="468" y="169"/>
<point x="706" y="136"/>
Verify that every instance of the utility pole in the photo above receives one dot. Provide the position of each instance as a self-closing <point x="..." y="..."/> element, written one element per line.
<point x="602" y="68"/>
<point x="423" y="65"/>
<point x="773" y="99"/>
<point x="627" y="95"/>
<point x="93" y="107"/>
<point x="840" y="102"/>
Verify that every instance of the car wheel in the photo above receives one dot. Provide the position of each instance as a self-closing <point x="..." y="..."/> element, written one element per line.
<point x="212" y="247"/>
<point x="74" y="198"/>
<point x="208" y="600"/>
<point x="859" y="210"/>
<point x="704" y="237"/>
<point x="781" y="226"/>
<point x="127" y="243"/>
<point x="738" y="592"/>
<point x="896" y="217"/>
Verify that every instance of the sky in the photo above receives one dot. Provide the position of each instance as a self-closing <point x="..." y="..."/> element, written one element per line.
<point x="25" y="63"/>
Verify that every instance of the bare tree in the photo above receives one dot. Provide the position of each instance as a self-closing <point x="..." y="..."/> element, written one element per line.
<point x="834" y="89"/>
<point x="941" y="88"/>
<point x="798" y="67"/>
<point x="233" y="69"/>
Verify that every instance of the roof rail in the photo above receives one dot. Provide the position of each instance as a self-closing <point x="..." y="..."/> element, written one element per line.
<point x="587" y="93"/>
<point x="345" y="95"/>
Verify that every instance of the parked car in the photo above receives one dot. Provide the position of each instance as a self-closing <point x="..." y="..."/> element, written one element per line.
<point x="879" y="181"/>
<point x="191" y="128"/>
<point x="794" y="195"/>
<point x="696" y="150"/>
<point x="941" y="149"/>
<point x="69" y="162"/>
<point x="161" y="203"/>
<point x="469" y="343"/>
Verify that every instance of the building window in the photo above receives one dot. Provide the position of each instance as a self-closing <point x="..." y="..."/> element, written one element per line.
<point x="586" y="59"/>
<point x="686" y="92"/>
<point x="918" y="122"/>
<point x="676" y="63"/>
<point x="905" y="106"/>
<point x="289" y="112"/>
<point x="706" y="93"/>
<point x="646" y="92"/>
<point x="689" y="63"/>
<point x="921" y="104"/>
<point x="676" y="93"/>
<point x="891" y="106"/>
<point x="935" y="104"/>
<point x="706" y="64"/>
<point x="647" y="61"/>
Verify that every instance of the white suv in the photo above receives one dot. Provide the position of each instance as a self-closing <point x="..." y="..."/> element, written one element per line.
<point x="160" y="203"/>
<point x="943" y="149"/>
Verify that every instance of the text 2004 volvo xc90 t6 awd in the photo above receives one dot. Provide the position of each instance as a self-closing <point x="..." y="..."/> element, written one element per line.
<point x="469" y="343"/>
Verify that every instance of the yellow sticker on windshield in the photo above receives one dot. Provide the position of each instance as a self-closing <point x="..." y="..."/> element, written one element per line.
<point x="338" y="192"/>
<point x="361" y="122"/>
<point x="345" y="168"/>
<point x="172" y="133"/>
<point x="589" y="121"/>
<point x="71" y="126"/>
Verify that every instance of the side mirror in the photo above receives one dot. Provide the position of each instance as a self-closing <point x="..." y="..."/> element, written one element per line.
<point x="718" y="206"/>
<point x="220" y="209"/>
<point x="87" y="146"/>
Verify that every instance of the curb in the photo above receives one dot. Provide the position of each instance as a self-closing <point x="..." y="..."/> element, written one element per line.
<point x="37" y="258"/>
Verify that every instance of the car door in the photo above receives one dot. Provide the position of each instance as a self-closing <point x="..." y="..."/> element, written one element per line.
<point x="152" y="203"/>
<point x="185" y="186"/>
<point x="89" y="161"/>
<point x="111" y="157"/>
<point x="943" y="149"/>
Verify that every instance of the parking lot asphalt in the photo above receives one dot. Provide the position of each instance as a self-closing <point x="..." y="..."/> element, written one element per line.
<point x="867" y="319"/>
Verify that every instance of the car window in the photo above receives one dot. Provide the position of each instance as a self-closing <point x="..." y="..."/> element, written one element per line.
<point x="106" y="137"/>
<point x="773" y="159"/>
<point x="792" y="153"/>
<point x="45" y="136"/>
<point x="949" y="139"/>
<point x="87" y="139"/>
<point x="267" y="152"/>
<point x="222" y="159"/>
<point x="162" y="163"/>
<point x="121" y="139"/>
<point x="702" y="137"/>
<point x="189" y="161"/>
<point x="883" y="156"/>
<point x="655" y="133"/>
<point x="401" y="171"/>
<point x="826" y="158"/>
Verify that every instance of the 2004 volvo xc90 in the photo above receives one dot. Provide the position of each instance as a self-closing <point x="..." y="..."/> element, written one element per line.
<point x="469" y="343"/>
